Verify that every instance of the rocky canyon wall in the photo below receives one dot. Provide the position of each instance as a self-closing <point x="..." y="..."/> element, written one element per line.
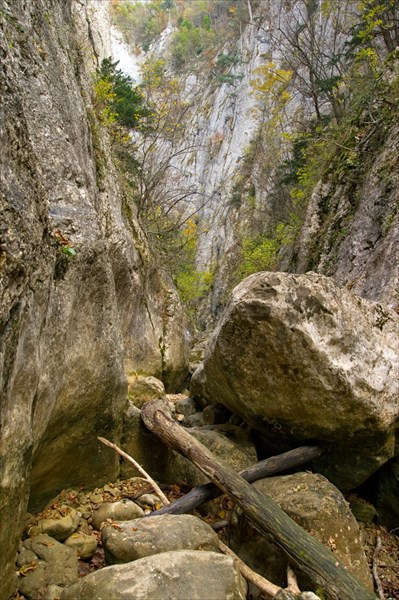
<point x="350" y="230"/>
<point x="82" y="300"/>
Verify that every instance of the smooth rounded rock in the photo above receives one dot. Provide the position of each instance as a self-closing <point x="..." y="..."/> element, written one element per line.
<point x="142" y="389"/>
<point x="149" y="501"/>
<point x="180" y="575"/>
<point x="60" y="526"/>
<point x="185" y="406"/>
<point x="122" y="510"/>
<point x="132" y="540"/>
<point x="84" y="545"/>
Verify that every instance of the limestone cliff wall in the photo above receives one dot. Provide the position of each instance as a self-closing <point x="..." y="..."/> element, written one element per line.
<point x="351" y="228"/>
<point x="70" y="327"/>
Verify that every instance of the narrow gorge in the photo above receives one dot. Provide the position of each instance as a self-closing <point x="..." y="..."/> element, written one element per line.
<point x="199" y="204"/>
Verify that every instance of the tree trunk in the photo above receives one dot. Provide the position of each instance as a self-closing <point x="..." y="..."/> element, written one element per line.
<point x="264" y="468"/>
<point x="301" y="549"/>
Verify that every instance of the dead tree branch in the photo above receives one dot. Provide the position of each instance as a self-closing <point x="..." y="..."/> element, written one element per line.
<point x="265" y="468"/>
<point x="153" y="483"/>
<point x="301" y="549"/>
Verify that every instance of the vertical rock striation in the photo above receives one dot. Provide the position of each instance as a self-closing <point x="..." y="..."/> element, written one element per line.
<point x="351" y="227"/>
<point x="70" y="326"/>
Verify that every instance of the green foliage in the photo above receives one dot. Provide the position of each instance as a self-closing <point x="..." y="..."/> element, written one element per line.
<point x="227" y="60"/>
<point x="287" y="172"/>
<point x="104" y="98"/>
<point x="65" y="245"/>
<point x="68" y="251"/>
<point x="379" y="20"/>
<point x="223" y="71"/>
<point x="116" y="96"/>
<point x="140" y="22"/>
<point x="258" y="254"/>
<point x="273" y="82"/>
<point x="189" y="42"/>
<point x="229" y="78"/>
<point x="192" y="284"/>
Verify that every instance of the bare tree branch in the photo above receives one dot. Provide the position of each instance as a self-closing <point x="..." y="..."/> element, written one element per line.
<point x="156" y="487"/>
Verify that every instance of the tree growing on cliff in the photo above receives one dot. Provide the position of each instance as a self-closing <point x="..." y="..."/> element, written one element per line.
<point x="312" y="41"/>
<point x="378" y="20"/>
<point x="141" y="22"/>
<point x="120" y="99"/>
<point x="161" y="197"/>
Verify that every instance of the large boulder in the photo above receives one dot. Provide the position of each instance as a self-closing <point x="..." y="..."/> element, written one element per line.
<point x="132" y="540"/>
<point x="320" y="508"/>
<point x="301" y="359"/>
<point x="181" y="575"/>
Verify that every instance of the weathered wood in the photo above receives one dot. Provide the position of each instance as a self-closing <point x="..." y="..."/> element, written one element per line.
<point x="301" y="548"/>
<point x="153" y="483"/>
<point x="263" y="584"/>
<point x="264" y="468"/>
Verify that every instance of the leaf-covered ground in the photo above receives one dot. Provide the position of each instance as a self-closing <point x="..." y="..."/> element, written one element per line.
<point x="386" y="562"/>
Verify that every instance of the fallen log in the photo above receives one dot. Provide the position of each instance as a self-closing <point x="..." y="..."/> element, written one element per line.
<point x="301" y="549"/>
<point x="264" y="468"/>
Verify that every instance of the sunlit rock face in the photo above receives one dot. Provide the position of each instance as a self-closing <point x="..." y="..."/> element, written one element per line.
<point x="351" y="227"/>
<point x="301" y="359"/>
<point x="356" y="240"/>
<point x="71" y="322"/>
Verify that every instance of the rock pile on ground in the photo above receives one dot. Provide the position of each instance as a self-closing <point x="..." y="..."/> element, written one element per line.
<point x="295" y="358"/>
<point x="163" y="550"/>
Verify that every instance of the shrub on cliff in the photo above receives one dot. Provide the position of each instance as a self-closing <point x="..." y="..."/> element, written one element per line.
<point x="119" y="100"/>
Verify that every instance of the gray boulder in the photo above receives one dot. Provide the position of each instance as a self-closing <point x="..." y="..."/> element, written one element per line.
<point x="181" y="575"/>
<point x="53" y="564"/>
<point x="161" y="533"/>
<point x="59" y="524"/>
<point x="184" y="405"/>
<point x="320" y="508"/>
<point x="142" y="389"/>
<point x="195" y="420"/>
<point x="299" y="359"/>
<point x="122" y="510"/>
